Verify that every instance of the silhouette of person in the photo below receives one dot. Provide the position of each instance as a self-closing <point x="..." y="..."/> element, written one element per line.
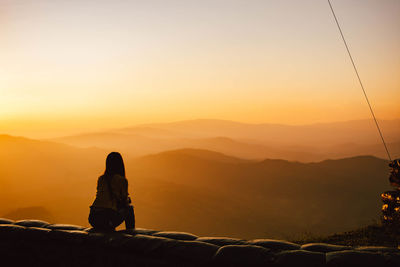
<point x="112" y="204"/>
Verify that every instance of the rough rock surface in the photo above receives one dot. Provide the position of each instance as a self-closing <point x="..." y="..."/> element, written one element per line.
<point x="38" y="243"/>
<point x="276" y="245"/>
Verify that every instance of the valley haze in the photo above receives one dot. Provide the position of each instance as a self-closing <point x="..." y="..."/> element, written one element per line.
<point x="306" y="143"/>
<point x="209" y="177"/>
<point x="236" y="88"/>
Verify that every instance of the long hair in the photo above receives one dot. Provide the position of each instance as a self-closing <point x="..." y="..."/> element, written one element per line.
<point x="114" y="165"/>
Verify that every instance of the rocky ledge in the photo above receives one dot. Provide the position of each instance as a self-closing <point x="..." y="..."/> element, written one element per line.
<point x="38" y="243"/>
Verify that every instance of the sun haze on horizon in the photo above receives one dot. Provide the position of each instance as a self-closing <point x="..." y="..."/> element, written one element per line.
<point x="75" y="66"/>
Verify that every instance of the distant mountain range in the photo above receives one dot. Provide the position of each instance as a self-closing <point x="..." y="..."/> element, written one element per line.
<point x="29" y="213"/>
<point x="305" y="143"/>
<point x="272" y="197"/>
<point x="199" y="191"/>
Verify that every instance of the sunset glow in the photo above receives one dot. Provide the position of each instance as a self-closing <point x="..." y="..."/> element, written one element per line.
<point x="74" y="66"/>
<point x="221" y="118"/>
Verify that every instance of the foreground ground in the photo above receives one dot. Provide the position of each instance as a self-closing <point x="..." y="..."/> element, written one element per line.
<point x="371" y="235"/>
<point x="38" y="243"/>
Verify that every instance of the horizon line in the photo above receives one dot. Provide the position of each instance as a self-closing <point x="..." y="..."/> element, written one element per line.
<point x="110" y="130"/>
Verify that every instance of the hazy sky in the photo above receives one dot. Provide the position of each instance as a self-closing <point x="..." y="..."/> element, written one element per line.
<point x="73" y="65"/>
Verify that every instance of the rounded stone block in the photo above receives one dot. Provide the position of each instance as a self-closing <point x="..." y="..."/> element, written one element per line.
<point x="144" y="231"/>
<point x="95" y="238"/>
<point x="188" y="251"/>
<point x="140" y="231"/>
<point x="171" y="250"/>
<point x="322" y="247"/>
<point x="243" y="255"/>
<point x="65" y="227"/>
<point x="300" y="258"/>
<point x="275" y="245"/>
<point x="377" y="249"/>
<point x="36" y="233"/>
<point x="176" y="235"/>
<point x="11" y="231"/>
<point x="6" y="221"/>
<point x="115" y="239"/>
<point x="32" y="223"/>
<point x="146" y="245"/>
<point x="222" y="241"/>
<point x="354" y="258"/>
<point x="68" y="236"/>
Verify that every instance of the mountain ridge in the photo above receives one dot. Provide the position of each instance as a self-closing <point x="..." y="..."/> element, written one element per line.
<point x="211" y="191"/>
<point x="307" y="143"/>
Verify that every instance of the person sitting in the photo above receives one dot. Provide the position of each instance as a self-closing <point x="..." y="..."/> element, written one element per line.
<point x="112" y="203"/>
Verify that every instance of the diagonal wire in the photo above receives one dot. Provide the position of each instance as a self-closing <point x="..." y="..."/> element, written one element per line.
<point x="359" y="80"/>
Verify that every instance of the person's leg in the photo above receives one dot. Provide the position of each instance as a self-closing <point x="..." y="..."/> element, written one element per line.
<point x="116" y="218"/>
<point x="91" y="218"/>
<point x="97" y="220"/>
<point x="102" y="220"/>
<point x="129" y="217"/>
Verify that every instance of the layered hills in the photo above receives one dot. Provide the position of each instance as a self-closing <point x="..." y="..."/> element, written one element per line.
<point x="305" y="143"/>
<point x="199" y="191"/>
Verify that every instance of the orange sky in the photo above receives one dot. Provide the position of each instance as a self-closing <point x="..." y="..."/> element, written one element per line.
<point x="72" y="66"/>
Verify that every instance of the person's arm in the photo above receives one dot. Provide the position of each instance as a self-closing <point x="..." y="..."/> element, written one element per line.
<point x="121" y="190"/>
<point x="98" y="185"/>
<point x="124" y="190"/>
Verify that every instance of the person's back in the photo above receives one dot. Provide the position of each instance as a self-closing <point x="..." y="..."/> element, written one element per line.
<point x="111" y="205"/>
<point x="117" y="185"/>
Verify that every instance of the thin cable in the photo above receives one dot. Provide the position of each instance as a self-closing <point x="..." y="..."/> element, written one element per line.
<point x="359" y="80"/>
